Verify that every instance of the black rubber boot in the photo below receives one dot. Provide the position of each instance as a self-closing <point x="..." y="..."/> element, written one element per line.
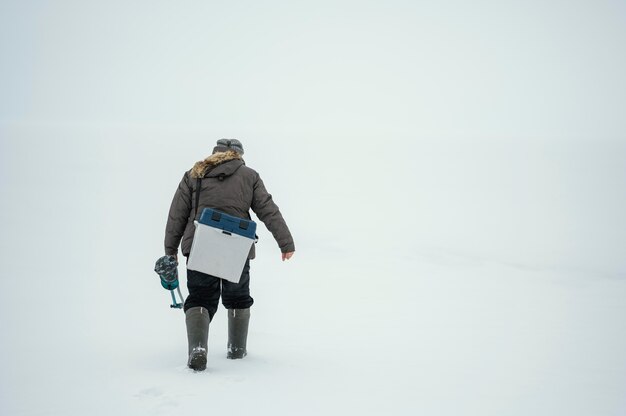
<point x="197" y="320"/>
<point x="238" y="320"/>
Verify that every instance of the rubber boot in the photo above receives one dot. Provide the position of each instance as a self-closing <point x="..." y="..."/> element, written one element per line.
<point x="197" y="320"/>
<point x="238" y="320"/>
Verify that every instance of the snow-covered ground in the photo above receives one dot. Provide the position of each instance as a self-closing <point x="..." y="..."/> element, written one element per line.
<point x="366" y="319"/>
<point x="453" y="174"/>
<point x="453" y="336"/>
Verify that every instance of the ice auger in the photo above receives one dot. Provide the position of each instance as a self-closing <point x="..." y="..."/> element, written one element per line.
<point x="167" y="269"/>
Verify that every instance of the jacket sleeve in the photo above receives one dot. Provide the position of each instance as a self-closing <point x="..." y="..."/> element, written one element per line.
<point x="268" y="212"/>
<point x="178" y="216"/>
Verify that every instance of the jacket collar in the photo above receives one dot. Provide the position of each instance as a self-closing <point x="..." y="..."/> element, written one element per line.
<point x="207" y="167"/>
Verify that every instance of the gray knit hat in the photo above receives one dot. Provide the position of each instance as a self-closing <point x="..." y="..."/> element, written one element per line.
<point x="224" y="145"/>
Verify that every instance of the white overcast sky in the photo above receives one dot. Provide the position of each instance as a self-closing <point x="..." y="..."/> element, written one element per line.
<point x="506" y="69"/>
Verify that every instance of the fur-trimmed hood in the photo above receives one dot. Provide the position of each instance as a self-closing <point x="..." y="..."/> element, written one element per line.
<point x="201" y="168"/>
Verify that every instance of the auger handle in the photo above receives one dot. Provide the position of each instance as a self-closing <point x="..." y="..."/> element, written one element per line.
<point x="174" y="303"/>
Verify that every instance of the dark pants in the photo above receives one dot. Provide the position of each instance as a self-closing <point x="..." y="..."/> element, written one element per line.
<point x="205" y="290"/>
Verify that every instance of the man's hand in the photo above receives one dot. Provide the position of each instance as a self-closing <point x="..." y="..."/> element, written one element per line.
<point x="287" y="256"/>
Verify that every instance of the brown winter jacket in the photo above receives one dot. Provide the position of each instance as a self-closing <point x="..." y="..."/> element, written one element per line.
<point x="227" y="185"/>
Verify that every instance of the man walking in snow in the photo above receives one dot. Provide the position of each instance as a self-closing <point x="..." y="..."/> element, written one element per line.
<point x="223" y="182"/>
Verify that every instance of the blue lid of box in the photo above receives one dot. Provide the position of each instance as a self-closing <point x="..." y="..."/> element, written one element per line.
<point x="232" y="224"/>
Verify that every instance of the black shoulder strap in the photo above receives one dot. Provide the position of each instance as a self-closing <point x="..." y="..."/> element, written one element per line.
<point x="198" y="182"/>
